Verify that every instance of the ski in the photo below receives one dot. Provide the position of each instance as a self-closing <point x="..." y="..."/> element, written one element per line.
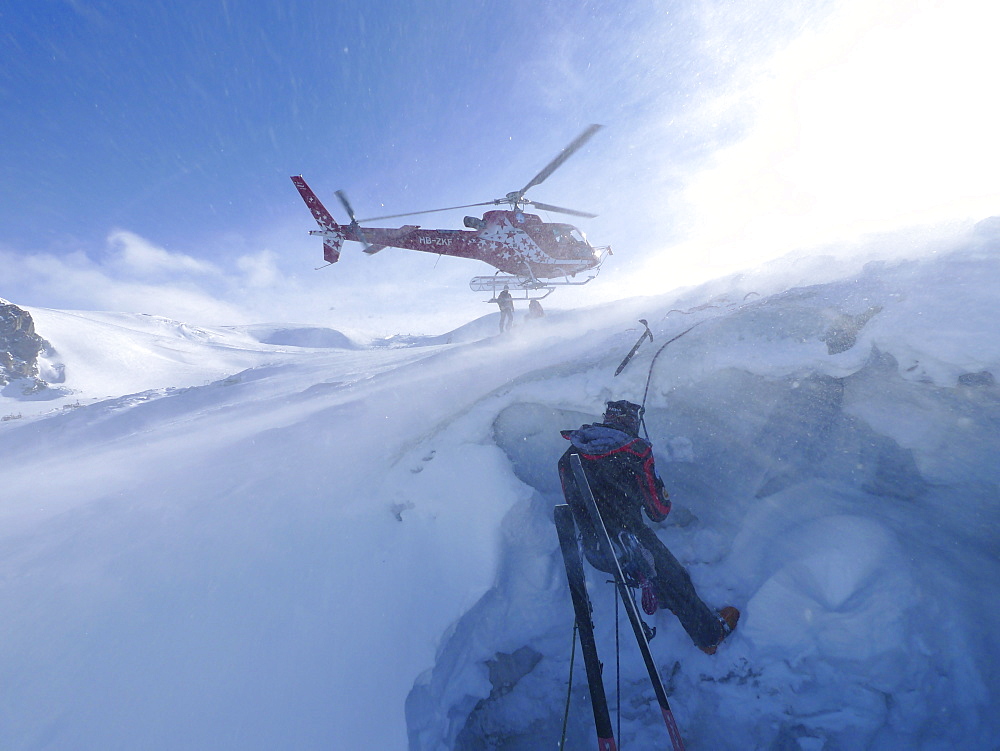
<point x="630" y="608"/>
<point x="566" y="528"/>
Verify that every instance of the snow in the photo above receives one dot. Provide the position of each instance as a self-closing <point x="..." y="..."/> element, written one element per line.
<point x="289" y="536"/>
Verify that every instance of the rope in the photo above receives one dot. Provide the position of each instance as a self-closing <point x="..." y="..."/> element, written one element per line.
<point x="569" y="689"/>
<point x="649" y="377"/>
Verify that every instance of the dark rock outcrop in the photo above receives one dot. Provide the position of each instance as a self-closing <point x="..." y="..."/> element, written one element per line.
<point x="20" y="347"/>
<point x="983" y="378"/>
<point x="843" y="334"/>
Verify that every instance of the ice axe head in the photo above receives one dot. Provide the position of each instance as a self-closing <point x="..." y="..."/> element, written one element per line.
<point x="635" y="347"/>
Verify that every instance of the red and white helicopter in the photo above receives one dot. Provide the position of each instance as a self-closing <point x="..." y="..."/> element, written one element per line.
<point x="531" y="255"/>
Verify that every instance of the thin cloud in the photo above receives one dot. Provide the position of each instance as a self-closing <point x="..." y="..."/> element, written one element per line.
<point x="260" y="269"/>
<point x="135" y="275"/>
<point x="135" y="255"/>
<point x="75" y="281"/>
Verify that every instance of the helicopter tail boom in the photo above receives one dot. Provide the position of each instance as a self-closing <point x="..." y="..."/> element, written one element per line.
<point x="332" y="233"/>
<point x="389" y="237"/>
<point x="323" y="217"/>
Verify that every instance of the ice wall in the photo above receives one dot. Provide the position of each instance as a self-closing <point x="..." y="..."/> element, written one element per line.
<point x="831" y="455"/>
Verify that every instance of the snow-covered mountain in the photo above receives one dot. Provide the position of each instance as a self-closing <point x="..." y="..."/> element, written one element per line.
<point x="291" y="537"/>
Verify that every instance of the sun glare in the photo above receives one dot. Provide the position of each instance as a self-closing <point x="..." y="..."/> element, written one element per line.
<point x="883" y="117"/>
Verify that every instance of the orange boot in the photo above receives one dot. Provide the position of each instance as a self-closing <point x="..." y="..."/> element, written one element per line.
<point x="728" y="618"/>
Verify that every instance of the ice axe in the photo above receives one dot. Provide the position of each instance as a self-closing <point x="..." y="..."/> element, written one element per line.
<point x="635" y="347"/>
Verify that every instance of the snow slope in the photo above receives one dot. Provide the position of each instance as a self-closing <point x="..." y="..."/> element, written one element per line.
<point x="235" y="544"/>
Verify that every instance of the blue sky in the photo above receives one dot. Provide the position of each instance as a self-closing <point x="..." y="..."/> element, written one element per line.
<point x="147" y="146"/>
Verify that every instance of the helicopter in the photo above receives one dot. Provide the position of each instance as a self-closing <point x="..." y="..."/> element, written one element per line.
<point x="530" y="255"/>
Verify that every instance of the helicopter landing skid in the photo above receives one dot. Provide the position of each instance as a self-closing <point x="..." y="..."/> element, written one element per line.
<point x="532" y="288"/>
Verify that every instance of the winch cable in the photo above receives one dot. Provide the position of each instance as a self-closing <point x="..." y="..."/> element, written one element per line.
<point x="649" y="377"/>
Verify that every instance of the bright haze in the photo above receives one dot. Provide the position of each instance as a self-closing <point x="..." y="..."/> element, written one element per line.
<point x="147" y="147"/>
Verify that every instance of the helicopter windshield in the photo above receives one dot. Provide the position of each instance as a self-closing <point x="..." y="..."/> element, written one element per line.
<point x="564" y="233"/>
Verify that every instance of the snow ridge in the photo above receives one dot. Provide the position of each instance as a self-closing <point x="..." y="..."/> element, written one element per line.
<point x="255" y="545"/>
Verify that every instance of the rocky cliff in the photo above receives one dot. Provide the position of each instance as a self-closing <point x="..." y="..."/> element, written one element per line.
<point x="20" y="347"/>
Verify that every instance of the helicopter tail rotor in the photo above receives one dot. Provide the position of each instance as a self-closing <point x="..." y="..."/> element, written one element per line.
<point x="354" y="220"/>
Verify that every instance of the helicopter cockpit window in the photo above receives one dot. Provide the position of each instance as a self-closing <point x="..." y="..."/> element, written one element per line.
<point x="567" y="235"/>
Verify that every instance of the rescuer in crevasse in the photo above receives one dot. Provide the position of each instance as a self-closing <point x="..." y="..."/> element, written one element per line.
<point x="619" y="468"/>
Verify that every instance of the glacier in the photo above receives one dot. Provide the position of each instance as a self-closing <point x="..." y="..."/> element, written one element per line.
<point x="287" y="536"/>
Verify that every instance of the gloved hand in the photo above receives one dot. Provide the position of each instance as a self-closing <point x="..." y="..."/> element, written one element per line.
<point x="666" y="499"/>
<point x="658" y="511"/>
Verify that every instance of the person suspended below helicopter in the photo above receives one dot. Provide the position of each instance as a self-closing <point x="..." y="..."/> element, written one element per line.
<point x="619" y="468"/>
<point x="506" y="303"/>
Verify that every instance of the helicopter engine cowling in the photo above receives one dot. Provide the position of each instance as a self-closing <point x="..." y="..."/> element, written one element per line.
<point x="474" y="222"/>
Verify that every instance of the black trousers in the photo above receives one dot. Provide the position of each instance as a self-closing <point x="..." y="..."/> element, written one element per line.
<point x="506" y="318"/>
<point x="671" y="581"/>
<point x="676" y="592"/>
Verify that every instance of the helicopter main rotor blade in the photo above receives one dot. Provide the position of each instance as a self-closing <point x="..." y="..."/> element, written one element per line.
<point x="429" y="211"/>
<point x="563" y="156"/>
<point x="549" y="207"/>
